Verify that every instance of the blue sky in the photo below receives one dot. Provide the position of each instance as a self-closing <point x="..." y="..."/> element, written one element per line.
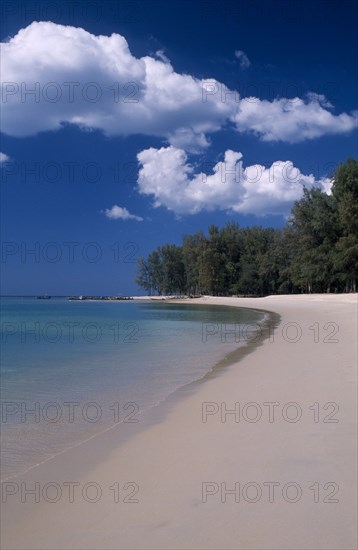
<point x="150" y="120"/>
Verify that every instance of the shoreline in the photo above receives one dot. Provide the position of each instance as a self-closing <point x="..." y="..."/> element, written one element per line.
<point x="170" y="459"/>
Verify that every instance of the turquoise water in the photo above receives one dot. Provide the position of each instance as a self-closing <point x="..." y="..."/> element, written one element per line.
<point x="82" y="367"/>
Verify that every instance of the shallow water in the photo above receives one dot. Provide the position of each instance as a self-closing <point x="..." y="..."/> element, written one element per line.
<point x="69" y="370"/>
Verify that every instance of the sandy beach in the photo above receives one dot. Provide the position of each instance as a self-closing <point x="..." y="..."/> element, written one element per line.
<point x="259" y="455"/>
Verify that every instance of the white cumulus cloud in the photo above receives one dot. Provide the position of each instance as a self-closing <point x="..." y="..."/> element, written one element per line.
<point x="55" y="75"/>
<point x="120" y="213"/>
<point x="166" y="175"/>
<point x="291" y="120"/>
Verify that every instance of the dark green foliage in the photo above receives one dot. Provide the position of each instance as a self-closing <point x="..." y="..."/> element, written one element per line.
<point x="345" y="194"/>
<point x="314" y="229"/>
<point x="163" y="271"/>
<point x="317" y="251"/>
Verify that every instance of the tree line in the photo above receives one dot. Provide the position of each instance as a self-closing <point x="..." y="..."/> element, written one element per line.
<point x="316" y="251"/>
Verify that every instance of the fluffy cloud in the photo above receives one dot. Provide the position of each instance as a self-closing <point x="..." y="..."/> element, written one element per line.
<point x="55" y="75"/>
<point x="120" y="213"/>
<point x="166" y="175"/>
<point x="243" y="59"/>
<point x="185" y="138"/>
<point x="291" y="120"/>
<point x="96" y="83"/>
<point x="4" y="158"/>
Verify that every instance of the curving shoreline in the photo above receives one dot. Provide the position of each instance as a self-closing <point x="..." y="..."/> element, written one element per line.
<point x="200" y="441"/>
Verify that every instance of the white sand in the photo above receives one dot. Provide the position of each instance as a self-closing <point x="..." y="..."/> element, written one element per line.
<point x="172" y="458"/>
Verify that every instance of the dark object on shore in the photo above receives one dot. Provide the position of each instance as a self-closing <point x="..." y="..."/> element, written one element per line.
<point x="109" y="298"/>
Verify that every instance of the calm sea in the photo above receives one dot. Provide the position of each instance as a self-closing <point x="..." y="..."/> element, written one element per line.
<point x="70" y="370"/>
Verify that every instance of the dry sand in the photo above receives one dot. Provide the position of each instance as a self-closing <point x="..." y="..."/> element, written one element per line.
<point x="176" y="456"/>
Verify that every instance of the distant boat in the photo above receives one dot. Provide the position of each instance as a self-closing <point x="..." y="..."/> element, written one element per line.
<point x="43" y="297"/>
